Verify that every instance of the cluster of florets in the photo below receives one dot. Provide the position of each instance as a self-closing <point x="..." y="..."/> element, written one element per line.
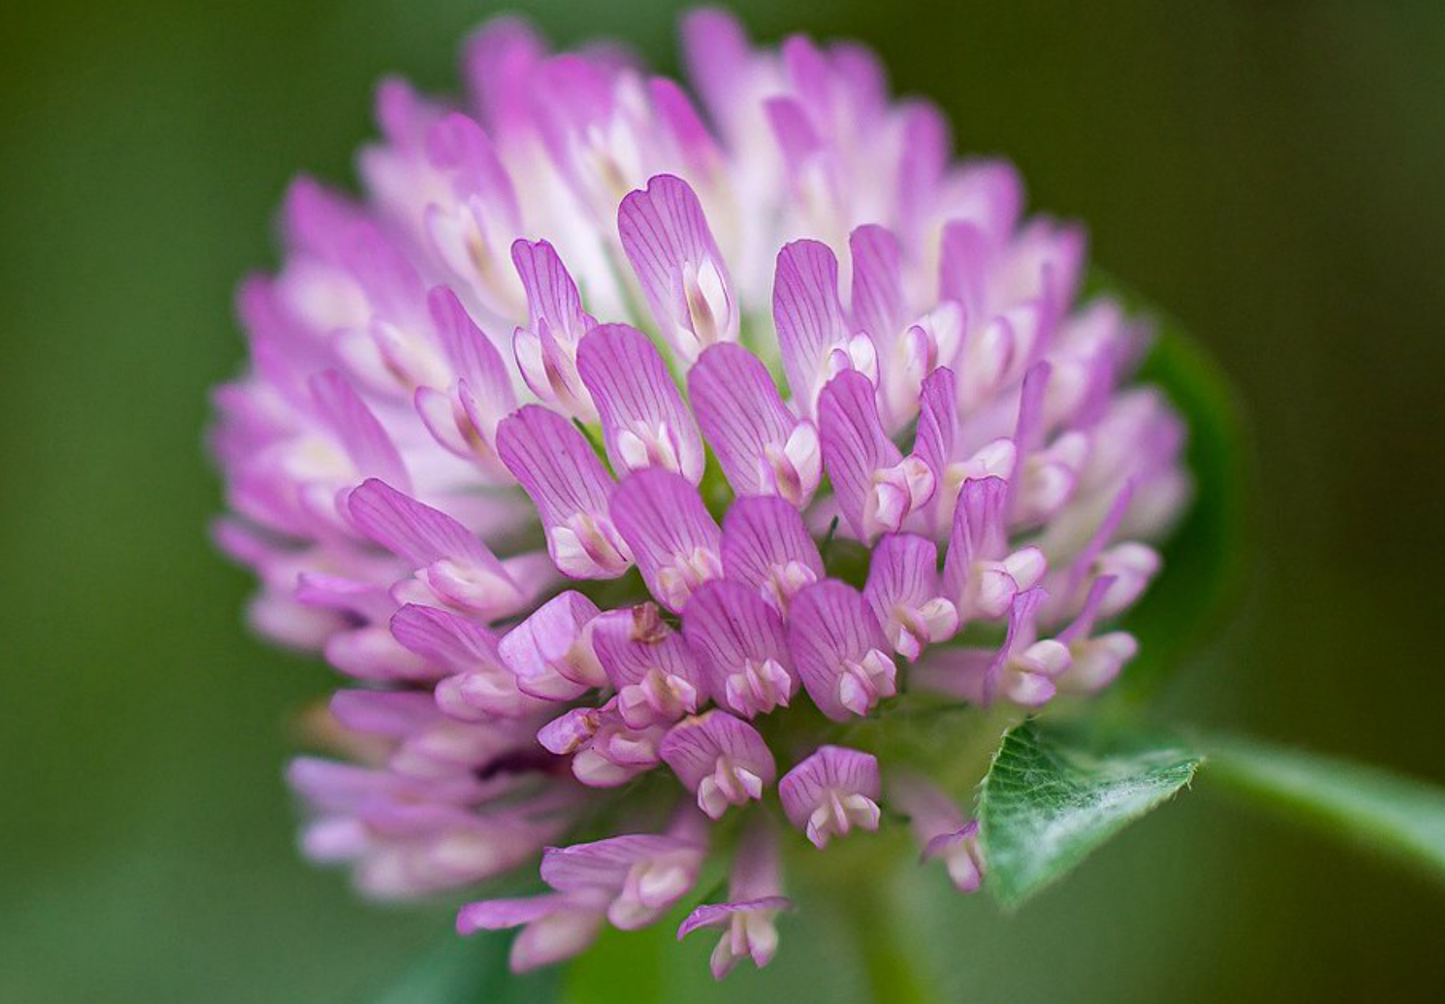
<point x="623" y="454"/>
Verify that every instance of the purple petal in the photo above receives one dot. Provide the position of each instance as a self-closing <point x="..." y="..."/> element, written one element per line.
<point x="721" y="758"/>
<point x="417" y="533"/>
<point x="400" y="112"/>
<point x="754" y="898"/>
<point x="1029" y="427"/>
<point x="937" y="434"/>
<point x="940" y="828"/>
<point x="1022" y="614"/>
<point x="750" y="931"/>
<point x="457" y="145"/>
<point x="853" y="441"/>
<point x="1049" y="478"/>
<point x="550" y="652"/>
<point x="855" y="447"/>
<point x="766" y="546"/>
<point x="645" y="873"/>
<point x="1083" y="624"/>
<point x="808" y="316"/>
<point x="314" y="217"/>
<point x="603" y="864"/>
<point x="991" y="196"/>
<point x="498" y="62"/>
<point x="473" y="357"/>
<point x="567" y="483"/>
<point x="1084" y="563"/>
<point x="964" y="673"/>
<point x="486" y="693"/>
<point x="555" y="926"/>
<point x="604" y="752"/>
<point x="933" y="341"/>
<point x="904" y="592"/>
<point x="329" y="786"/>
<point x="676" y="543"/>
<point x="502" y="914"/>
<point x="481" y="683"/>
<point x="396" y="714"/>
<point x="676" y="260"/>
<point x="982" y="676"/>
<point x="832" y="791"/>
<point x="1044" y="265"/>
<point x="878" y="303"/>
<point x="717" y="55"/>
<point x="739" y="640"/>
<point x="718" y="914"/>
<point x="860" y="82"/>
<point x="570" y="731"/>
<point x="978" y="577"/>
<point x="454" y="750"/>
<point x="591" y="141"/>
<point x="929" y="809"/>
<point x="451" y="561"/>
<point x="371" y="653"/>
<point x="697" y="146"/>
<point x="546" y="348"/>
<point x="555" y="938"/>
<point x="805" y="155"/>
<point x="978" y="528"/>
<point x="975" y="576"/>
<point x="388" y="278"/>
<point x="363" y="437"/>
<point x="757" y="869"/>
<point x="552" y="295"/>
<point x="470" y="227"/>
<point x="448" y="424"/>
<point x="812" y="79"/>
<point x="450" y="641"/>
<point x="618" y="752"/>
<point x="963" y="266"/>
<point x="655" y="673"/>
<point x="927" y="148"/>
<point x="839" y="650"/>
<point x="762" y="448"/>
<point x="549" y="368"/>
<point x="338" y="592"/>
<point x="644" y="420"/>
<point x="960" y="854"/>
<point x="1095" y="661"/>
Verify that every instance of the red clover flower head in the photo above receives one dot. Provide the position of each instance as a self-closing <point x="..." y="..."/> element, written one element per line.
<point x="641" y="456"/>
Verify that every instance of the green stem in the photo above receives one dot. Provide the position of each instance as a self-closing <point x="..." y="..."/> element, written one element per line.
<point x="895" y="975"/>
<point x="1382" y="811"/>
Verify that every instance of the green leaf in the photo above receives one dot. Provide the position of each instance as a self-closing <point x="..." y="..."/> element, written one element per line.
<point x="1395" y="815"/>
<point x="1050" y="798"/>
<point x="469" y="971"/>
<point x="1205" y="558"/>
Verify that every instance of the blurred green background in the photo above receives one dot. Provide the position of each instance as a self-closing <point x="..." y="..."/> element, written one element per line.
<point x="1273" y="172"/>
